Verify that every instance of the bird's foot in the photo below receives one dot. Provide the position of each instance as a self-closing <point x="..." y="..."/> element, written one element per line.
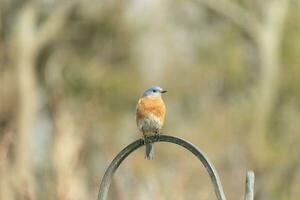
<point x="146" y="140"/>
<point x="157" y="136"/>
<point x="143" y="140"/>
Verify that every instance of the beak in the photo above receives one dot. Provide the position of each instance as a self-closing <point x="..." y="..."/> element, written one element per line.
<point x="163" y="91"/>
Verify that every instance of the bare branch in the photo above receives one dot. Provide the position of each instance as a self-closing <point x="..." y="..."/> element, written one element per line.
<point x="236" y="14"/>
<point x="54" y="23"/>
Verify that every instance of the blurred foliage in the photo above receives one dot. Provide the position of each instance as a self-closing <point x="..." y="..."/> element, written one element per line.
<point x="70" y="77"/>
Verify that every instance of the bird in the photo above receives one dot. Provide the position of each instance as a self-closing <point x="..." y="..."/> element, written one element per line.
<point x="150" y="116"/>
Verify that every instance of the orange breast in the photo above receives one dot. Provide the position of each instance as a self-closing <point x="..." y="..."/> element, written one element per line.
<point x="153" y="105"/>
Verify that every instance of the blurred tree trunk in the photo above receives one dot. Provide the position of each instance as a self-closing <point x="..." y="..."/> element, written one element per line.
<point x="6" y="191"/>
<point x="27" y="85"/>
<point x="29" y="39"/>
<point x="268" y="47"/>
<point x="266" y="37"/>
<point x="68" y="143"/>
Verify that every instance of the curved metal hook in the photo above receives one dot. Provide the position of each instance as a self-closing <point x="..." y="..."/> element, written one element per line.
<point x="106" y="180"/>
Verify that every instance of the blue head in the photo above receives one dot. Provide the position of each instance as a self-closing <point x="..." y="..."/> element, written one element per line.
<point x="154" y="91"/>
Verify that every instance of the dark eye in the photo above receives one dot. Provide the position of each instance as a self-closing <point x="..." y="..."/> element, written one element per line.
<point x="154" y="90"/>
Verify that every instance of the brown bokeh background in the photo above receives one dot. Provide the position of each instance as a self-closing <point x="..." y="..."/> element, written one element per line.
<point x="71" y="73"/>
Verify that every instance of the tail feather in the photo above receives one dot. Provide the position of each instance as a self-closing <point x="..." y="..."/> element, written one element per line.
<point x="149" y="151"/>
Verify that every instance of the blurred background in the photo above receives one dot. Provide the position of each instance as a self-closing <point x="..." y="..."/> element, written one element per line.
<point x="71" y="73"/>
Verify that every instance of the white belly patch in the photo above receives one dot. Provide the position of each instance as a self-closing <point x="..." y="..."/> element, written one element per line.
<point x="149" y="125"/>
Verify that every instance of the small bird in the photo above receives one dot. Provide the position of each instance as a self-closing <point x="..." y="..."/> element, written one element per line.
<point x="150" y="115"/>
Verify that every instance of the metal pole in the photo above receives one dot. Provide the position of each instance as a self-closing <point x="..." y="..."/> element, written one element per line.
<point x="249" y="193"/>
